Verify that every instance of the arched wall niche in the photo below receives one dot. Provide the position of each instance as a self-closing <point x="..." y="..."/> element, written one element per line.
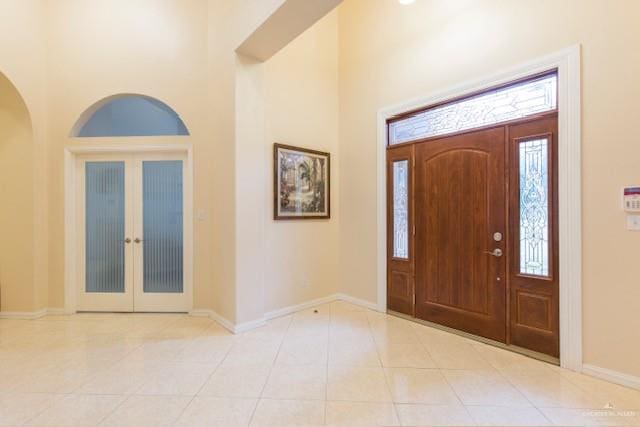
<point x="127" y="115"/>
<point x="17" y="205"/>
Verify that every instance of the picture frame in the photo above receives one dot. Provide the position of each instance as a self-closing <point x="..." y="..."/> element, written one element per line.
<point x="301" y="183"/>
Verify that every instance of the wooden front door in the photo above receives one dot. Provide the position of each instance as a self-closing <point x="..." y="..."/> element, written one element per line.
<point x="473" y="232"/>
<point x="460" y="197"/>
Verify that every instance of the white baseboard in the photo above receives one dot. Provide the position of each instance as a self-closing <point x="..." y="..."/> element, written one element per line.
<point x="223" y="321"/>
<point x="253" y="324"/>
<point x="358" y="301"/>
<point x="247" y="326"/>
<point x="32" y="315"/>
<point x="299" y="307"/>
<point x="23" y="315"/>
<point x="612" y="376"/>
<point x="228" y="324"/>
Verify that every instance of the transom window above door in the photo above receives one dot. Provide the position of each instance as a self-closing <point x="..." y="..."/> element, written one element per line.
<point x="509" y="102"/>
<point x="129" y="115"/>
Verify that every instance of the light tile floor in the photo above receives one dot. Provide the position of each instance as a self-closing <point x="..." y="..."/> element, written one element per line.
<point x="341" y="366"/>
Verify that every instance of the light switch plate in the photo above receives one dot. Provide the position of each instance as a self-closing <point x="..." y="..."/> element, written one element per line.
<point x="633" y="222"/>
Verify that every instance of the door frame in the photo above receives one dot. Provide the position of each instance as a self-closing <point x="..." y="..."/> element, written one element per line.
<point x="71" y="183"/>
<point x="567" y="62"/>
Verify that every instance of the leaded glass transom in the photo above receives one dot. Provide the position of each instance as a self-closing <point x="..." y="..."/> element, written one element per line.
<point x="534" y="207"/>
<point x="401" y="209"/>
<point x="513" y="102"/>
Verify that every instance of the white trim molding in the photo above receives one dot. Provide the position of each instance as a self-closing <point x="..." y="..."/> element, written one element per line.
<point x="228" y="324"/>
<point x="247" y="326"/>
<point x="567" y="62"/>
<point x="23" y="315"/>
<point x="359" y="302"/>
<point x="32" y="315"/>
<point x="300" y="307"/>
<point x="612" y="376"/>
<point x="70" y="221"/>
<point x="223" y="321"/>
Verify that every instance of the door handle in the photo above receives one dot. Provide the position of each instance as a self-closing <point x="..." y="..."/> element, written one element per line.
<point x="127" y="240"/>
<point x="496" y="252"/>
<point x="138" y="240"/>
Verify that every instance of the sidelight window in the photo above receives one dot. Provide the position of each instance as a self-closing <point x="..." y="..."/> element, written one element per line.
<point x="515" y="101"/>
<point x="534" y="207"/>
<point x="401" y="209"/>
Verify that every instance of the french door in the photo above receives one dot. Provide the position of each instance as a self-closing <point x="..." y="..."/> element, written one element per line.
<point x="131" y="230"/>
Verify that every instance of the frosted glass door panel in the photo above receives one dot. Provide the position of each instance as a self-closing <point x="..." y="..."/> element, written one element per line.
<point x="162" y="190"/>
<point x="105" y="227"/>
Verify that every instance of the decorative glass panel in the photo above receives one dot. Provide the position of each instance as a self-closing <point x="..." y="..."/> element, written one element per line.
<point x="133" y="115"/>
<point x="500" y="105"/>
<point x="534" y="207"/>
<point x="162" y="226"/>
<point x="104" y="227"/>
<point x="401" y="209"/>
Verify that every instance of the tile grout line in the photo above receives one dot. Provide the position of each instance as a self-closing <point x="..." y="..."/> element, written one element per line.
<point x="414" y="331"/>
<point x="440" y="369"/>
<point x="501" y="374"/>
<point x="264" y="386"/>
<point x="127" y="397"/>
<point x="326" y="383"/>
<point x="61" y="396"/>
<point x="205" y="382"/>
<point x="384" y="372"/>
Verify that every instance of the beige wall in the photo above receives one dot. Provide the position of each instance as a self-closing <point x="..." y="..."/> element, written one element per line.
<point x="22" y="61"/>
<point x="16" y="184"/>
<point x="390" y="53"/>
<point x="279" y="264"/>
<point x="301" y="108"/>
<point x="97" y="49"/>
<point x="181" y="52"/>
<point x="64" y="55"/>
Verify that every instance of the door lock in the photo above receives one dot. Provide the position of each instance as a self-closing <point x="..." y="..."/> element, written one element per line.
<point x="138" y="240"/>
<point x="496" y="252"/>
<point x="127" y="240"/>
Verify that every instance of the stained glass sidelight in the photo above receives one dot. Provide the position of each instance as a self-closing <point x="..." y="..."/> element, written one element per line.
<point x="401" y="209"/>
<point x="508" y="103"/>
<point x="534" y="207"/>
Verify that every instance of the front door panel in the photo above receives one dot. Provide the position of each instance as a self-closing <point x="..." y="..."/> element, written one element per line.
<point x="460" y="206"/>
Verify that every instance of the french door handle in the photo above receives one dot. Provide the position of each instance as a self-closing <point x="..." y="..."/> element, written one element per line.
<point x="138" y="240"/>
<point x="127" y="240"/>
<point x="496" y="252"/>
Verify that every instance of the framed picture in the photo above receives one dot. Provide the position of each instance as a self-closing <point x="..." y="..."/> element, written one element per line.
<point x="301" y="183"/>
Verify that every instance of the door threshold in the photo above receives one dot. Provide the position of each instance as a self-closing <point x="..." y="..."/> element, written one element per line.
<point x="514" y="348"/>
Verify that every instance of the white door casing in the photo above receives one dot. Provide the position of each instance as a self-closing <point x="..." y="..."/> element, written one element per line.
<point x="567" y="62"/>
<point x="134" y="298"/>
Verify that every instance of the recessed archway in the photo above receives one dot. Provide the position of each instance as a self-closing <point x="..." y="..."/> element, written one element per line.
<point x="125" y="115"/>
<point x="17" y="207"/>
